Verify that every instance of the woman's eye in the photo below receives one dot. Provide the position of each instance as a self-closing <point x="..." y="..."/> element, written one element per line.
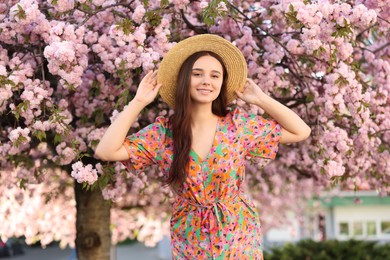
<point x="215" y="76"/>
<point x="196" y="74"/>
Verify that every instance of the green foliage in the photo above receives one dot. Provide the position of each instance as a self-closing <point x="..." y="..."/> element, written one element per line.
<point x="319" y="51"/>
<point x="124" y="75"/>
<point x="58" y="139"/>
<point x="126" y="25"/>
<point x="94" y="91"/>
<point x="20" y="13"/>
<point x="103" y="180"/>
<point x="341" y="81"/>
<point x="213" y="10"/>
<point x="330" y="250"/>
<point x="305" y="59"/>
<point x="21" y="106"/>
<point x="153" y="17"/>
<point x="41" y="135"/>
<point x="291" y="18"/>
<point x="164" y="3"/>
<point x="343" y="31"/>
<point x="332" y="60"/>
<point x="5" y="81"/>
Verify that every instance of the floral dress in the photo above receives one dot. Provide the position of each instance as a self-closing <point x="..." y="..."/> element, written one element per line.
<point x="212" y="217"/>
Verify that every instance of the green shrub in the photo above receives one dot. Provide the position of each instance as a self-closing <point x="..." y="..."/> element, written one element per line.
<point x="330" y="250"/>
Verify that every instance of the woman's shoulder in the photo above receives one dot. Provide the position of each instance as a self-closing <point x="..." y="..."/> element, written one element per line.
<point x="236" y="114"/>
<point x="162" y="120"/>
<point x="161" y="123"/>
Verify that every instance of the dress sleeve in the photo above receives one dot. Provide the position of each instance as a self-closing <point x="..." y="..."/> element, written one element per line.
<point x="145" y="147"/>
<point x="260" y="136"/>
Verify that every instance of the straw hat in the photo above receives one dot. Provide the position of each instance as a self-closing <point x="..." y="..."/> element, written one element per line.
<point x="170" y="65"/>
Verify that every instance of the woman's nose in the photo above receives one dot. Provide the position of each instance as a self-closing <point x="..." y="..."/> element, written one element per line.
<point x="206" y="80"/>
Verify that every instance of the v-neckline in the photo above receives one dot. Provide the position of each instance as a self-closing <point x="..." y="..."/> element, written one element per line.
<point x="202" y="160"/>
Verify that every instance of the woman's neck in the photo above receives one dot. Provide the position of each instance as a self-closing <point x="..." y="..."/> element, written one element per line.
<point x="201" y="114"/>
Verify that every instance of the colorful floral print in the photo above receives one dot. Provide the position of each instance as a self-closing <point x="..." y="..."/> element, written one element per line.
<point x="212" y="217"/>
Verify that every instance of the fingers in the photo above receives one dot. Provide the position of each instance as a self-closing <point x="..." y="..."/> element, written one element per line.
<point x="239" y="94"/>
<point x="150" y="79"/>
<point x="151" y="76"/>
<point x="157" y="87"/>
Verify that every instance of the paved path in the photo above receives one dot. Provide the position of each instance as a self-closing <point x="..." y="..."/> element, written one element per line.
<point x="123" y="252"/>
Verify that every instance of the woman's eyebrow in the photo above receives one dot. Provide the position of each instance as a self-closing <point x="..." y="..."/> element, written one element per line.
<point x="215" y="71"/>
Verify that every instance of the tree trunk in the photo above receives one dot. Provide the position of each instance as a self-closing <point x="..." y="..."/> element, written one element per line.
<point x="93" y="238"/>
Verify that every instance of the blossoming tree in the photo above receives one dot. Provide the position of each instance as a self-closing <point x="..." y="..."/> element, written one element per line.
<point x="68" y="67"/>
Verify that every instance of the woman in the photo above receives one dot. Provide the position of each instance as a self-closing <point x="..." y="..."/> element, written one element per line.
<point x="202" y="147"/>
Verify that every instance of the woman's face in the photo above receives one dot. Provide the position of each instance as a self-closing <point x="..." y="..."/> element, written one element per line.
<point x="206" y="80"/>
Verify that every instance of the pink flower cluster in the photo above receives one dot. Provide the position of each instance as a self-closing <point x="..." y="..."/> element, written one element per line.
<point x="138" y="14"/>
<point x="68" y="60"/>
<point x="84" y="173"/>
<point x="62" y="5"/>
<point x="19" y="135"/>
<point x="65" y="154"/>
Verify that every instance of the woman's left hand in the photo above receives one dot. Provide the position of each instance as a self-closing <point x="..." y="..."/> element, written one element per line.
<point x="250" y="93"/>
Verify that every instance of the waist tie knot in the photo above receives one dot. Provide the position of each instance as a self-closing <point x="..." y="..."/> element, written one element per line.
<point x="214" y="214"/>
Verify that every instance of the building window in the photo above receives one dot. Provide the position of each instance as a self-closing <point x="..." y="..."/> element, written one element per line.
<point x="385" y="227"/>
<point x="344" y="228"/>
<point x="371" y="228"/>
<point x="358" y="228"/>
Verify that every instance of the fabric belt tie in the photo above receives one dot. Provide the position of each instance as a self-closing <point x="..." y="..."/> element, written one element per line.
<point x="217" y="209"/>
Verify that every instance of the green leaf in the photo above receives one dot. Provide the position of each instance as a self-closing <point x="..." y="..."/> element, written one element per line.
<point x="58" y="139"/>
<point x="164" y="3"/>
<point x="212" y="11"/>
<point x="291" y="18"/>
<point x="153" y="17"/>
<point x="310" y="97"/>
<point x="94" y="91"/>
<point x="341" y="81"/>
<point x="20" y="13"/>
<point x="382" y="147"/>
<point x="22" y="184"/>
<point x="344" y="31"/>
<point x="126" y="25"/>
<point x="5" y="81"/>
<point x="291" y="8"/>
<point x="98" y="116"/>
<point x="41" y="135"/>
<point x="104" y="180"/>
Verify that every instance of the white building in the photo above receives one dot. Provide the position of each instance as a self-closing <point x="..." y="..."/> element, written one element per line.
<point x="362" y="215"/>
<point x="359" y="215"/>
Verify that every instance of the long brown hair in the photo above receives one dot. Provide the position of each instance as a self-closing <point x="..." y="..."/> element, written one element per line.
<point x="180" y="121"/>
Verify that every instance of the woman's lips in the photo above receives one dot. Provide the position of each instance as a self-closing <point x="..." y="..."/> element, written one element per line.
<point x="205" y="91"/>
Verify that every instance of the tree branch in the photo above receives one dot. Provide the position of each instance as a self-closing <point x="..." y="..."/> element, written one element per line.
<point x="197" y="29"/>
<point x="91" y="14"/>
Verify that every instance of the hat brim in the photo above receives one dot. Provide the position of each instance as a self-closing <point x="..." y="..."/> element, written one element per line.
<point x="232" y="57"/>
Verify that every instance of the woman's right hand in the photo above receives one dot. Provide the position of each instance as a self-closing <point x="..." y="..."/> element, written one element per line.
<point x="148" y="88"/>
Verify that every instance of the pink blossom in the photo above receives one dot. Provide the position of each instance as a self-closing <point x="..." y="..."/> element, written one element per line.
<point x="203" y="4"/>
<point x="98" y="2"/>
<point x="84" y="173"/>
<point x="139" y="13"/>
<point x="63" y="5"/>
<point x="19" y="135"/>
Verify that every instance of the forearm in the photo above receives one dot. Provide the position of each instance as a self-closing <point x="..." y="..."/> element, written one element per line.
<point x="287" y="118"/>
<point x="116" y="133"/>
